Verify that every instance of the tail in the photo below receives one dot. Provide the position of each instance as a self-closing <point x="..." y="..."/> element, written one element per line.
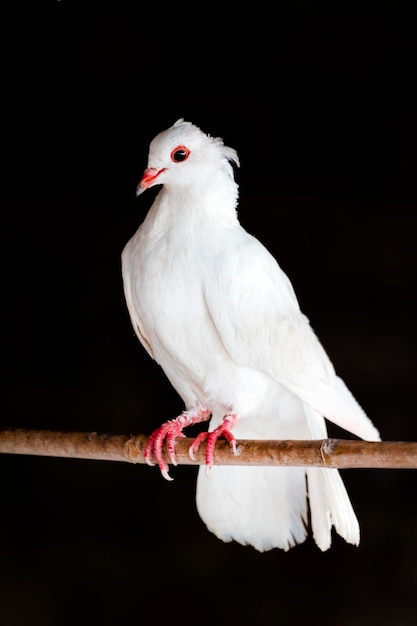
<point x="330" y="506"/>
<point x="328" y="499"/>
<point x="266" y="507"/>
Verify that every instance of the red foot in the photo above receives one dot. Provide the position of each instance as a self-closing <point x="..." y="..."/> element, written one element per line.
<point x="224" y="430"/>
<point x="168" y="433"/>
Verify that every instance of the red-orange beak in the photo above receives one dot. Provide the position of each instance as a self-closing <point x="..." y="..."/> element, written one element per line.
<point x="149" y="179"/>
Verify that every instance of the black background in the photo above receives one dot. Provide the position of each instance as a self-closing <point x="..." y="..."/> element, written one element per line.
<point x="318" y="99"/>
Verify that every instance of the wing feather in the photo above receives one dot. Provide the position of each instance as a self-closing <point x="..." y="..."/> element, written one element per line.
<point x="256" y="313"/>
<point x="130" y="302"/>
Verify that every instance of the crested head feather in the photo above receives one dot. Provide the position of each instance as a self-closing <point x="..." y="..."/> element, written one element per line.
<point x="207" y="163"/>
<point x="189" y="131"/>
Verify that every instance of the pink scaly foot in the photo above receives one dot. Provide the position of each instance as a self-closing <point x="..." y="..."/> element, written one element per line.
<point x="224" y="430"/>
<point x="168" y="432"/>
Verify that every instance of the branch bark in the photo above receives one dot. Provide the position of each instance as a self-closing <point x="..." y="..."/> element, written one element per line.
<point x="338" y="453"/>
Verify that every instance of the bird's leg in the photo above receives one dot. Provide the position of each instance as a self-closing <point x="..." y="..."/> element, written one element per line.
<point x="224" y="430"/>
<point x="168" y="432"/>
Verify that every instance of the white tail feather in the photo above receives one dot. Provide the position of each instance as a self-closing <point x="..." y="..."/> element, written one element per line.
<point x="330" y="506"/>
<point x="264" y="507"/>
<point x="329" y="502"/>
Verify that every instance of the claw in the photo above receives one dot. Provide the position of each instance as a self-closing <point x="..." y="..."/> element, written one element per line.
<point x="224" y="430"/>
<point x="167" y="434"/>
<point x="165" y="474"/>
<point x="196" y="444"/>
<point x="170" y="440"/>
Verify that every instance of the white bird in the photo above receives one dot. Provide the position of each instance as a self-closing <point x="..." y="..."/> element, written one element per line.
<point x="212" y="306"/>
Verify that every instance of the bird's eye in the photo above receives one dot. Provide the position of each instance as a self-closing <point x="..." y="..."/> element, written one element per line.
<point x="180" y="153"/>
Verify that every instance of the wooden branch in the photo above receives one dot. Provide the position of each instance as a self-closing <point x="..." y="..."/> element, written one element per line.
<point x="340" y="453"/>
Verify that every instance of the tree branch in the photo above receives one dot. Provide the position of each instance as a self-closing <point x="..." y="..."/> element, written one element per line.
<point x="340" y="453"/>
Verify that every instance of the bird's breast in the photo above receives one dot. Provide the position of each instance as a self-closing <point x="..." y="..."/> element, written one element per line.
<point x="166" y="278"/>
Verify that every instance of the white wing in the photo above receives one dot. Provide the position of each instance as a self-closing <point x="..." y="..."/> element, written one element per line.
<point x="257" y="316"/>
<point x="127" y="274"/>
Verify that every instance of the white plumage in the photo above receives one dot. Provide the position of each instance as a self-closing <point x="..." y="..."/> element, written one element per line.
<point x="213" y="308"/>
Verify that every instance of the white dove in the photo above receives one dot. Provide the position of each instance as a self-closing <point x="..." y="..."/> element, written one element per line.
<point x="212" y="306"/>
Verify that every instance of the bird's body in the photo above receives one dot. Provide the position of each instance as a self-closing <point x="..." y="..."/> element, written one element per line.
<point x="214" y="309"/>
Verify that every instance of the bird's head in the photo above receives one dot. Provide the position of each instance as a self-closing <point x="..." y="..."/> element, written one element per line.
<point x="183" y="155"/>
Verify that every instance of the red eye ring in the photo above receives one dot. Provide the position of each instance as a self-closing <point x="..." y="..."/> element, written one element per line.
<point x="180" y="154"/>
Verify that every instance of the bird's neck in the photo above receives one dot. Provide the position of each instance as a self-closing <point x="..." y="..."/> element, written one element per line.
<point x="213" y="201"/>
